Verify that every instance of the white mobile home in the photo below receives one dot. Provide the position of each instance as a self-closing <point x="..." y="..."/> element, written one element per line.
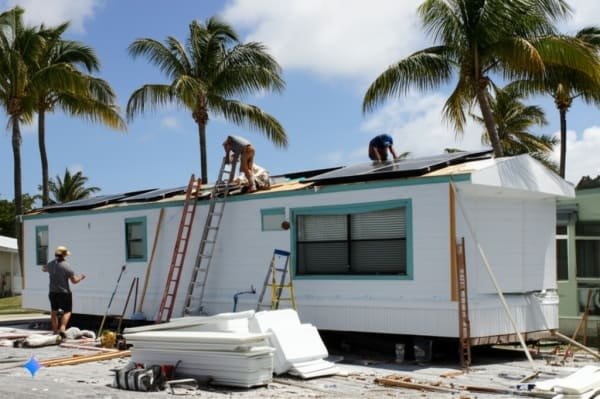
<point x="371" y="246"/>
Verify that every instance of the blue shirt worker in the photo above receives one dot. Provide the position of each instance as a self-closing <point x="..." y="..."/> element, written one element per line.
<point x="379" y="146"/>
<point x="60" y="293"/>
<point x="242" y="149"/>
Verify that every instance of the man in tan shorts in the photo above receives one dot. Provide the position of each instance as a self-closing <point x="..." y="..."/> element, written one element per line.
<point x="242" y="149"/>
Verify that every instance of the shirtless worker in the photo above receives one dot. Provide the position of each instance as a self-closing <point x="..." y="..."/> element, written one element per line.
<point x="243" y="149"/>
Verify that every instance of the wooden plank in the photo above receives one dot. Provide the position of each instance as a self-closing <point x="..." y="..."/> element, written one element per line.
<point x="77" y="359"/>
<point x="392" y="382"/>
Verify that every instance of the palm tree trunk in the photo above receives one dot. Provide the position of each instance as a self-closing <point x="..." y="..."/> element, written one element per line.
<point x="563" y="142"/>
<point x="43" y="155"/>
<point x="16" y="147"/>
<point x="202" y="136"/>
<point x="488" y="118"/>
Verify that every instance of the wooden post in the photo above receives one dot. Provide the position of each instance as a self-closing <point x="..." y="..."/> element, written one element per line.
<point x="453" y="273"/>
<point x="150" y="262"/>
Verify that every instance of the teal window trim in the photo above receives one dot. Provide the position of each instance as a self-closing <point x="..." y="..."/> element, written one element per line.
<point x="40" y="260"/>
<point x="271" y="212"/>
<point x="344" y="209"/>
<point x="144" y="242"/>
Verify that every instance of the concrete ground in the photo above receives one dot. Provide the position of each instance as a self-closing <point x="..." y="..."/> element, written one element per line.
<point x="494" y="372"/>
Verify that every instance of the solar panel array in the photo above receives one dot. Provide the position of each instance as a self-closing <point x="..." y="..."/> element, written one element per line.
<point x="398" y="168"/>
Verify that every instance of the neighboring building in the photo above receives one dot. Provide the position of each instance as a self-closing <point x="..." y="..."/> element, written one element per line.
<point x="578" y="257"/>
<point x="371" y="246"/>
<point x="10" y="274"/>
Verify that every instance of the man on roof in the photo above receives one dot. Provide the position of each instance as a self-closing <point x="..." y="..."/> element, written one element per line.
<point x="243" y="150"/>
<point x="379" y="146"/>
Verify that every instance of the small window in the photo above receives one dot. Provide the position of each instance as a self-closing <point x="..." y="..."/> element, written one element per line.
<point x="135" y="234"/>
<point x="589" y="229"/>
<point x="272" y="218"/>
<point x="562" y="268"/>
<point x="41" y="244"/>
<point x="588" y="258"/>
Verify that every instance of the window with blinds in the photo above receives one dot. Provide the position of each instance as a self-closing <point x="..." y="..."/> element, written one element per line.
<point x="135" y="236"/>
<point x="368" y="242"/>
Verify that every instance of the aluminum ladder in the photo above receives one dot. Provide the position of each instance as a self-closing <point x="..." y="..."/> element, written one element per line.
<point x="463" y="307"/>
<point x="278" y="285"/>
<point x="195" y="293"/>
<point x="188" y="212"/>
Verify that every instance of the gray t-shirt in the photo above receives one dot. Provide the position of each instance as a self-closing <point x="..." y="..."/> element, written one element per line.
<point x="60" y="273"/>
<point x="238" y="143"/>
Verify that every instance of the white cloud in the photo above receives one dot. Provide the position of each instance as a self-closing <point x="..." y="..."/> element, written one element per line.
<point x="54" y="12"/>
<point x="417" y="127"/>
<point x="582" y="154"/>
<point x="339" y="38"/>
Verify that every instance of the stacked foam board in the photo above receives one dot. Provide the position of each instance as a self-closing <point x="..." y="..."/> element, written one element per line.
<point x="299" y="349"/>
<point x="584" y="383"/>
<point x="239" y="359"/>
<point x="229" y="322"/>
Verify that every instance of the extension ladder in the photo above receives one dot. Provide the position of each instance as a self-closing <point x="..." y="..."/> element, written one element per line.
<point x="179" y="251"/>
<point x="277" y="286"/>
<point x="194" y="301"/>
<point x="463" y="306"/>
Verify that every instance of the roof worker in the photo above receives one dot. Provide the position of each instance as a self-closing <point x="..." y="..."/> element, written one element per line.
<point x="60" y="293"/>
<point x="379" y="146"/>
<point x="241" y="148"/>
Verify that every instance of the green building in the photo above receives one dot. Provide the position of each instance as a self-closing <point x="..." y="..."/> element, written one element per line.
<point x="578" y="258"/>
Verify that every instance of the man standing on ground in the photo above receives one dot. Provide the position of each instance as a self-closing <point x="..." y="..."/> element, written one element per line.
<point x="242" y="149"/>
<point x="60" y="292"/>
<point x="379" y="146"/>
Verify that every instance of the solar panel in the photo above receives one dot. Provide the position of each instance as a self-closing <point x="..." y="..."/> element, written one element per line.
<point x="155" y="194"/>
<point x="93" y="202"/>
<point x="398" y="168"/>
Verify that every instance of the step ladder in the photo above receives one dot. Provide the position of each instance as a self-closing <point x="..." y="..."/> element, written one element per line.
<point x="188" y="212"/>
<point x="195" y="293"/>
<point x="463" y="306"/>
<point x="279" y="267"/>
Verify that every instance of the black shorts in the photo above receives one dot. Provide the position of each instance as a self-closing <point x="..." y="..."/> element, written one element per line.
<point x="61" y="300"/>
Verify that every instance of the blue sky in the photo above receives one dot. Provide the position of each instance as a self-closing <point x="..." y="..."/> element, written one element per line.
<point x="330" y="51"/>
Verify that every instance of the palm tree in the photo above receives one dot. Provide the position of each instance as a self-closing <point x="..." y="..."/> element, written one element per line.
<point x="206" y="74"/>
<point x="565" y="85"/>
<point x="91" y="98"/>
<point x="514" y="120"/>
<point x="70" y="187"/>
<point x="476" y="40"/>
<point x="20" y="47"/>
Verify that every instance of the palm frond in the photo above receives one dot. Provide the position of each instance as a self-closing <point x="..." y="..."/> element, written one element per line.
<point x="250" y="116"/>
<point x="424" y="70"/>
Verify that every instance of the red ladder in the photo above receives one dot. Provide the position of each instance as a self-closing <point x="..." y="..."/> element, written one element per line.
<point x="463" y="306"/>
<point x="179" y="251"/>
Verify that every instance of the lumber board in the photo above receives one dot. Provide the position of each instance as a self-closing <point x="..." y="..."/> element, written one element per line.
<point x="413" y="385"/>
<point x="77" y="359"/>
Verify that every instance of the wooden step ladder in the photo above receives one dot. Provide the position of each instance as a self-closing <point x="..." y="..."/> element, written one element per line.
<point x="195" y="293"/>
<point x="463" y="306"/>
<point x="188" y="212"/>
<point x="279" y="266"/>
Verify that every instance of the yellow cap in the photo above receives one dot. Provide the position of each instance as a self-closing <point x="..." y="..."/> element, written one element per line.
<point x="62" y="251"/>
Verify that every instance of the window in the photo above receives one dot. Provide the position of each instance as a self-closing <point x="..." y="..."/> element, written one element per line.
<point x="354" y="240"/>
<point x="41" y="245"/>
<point x="562" y="266"/>
<point x="587" y="246"/>
<point x="135" y="233"/>
<point x="272" y="218"/>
